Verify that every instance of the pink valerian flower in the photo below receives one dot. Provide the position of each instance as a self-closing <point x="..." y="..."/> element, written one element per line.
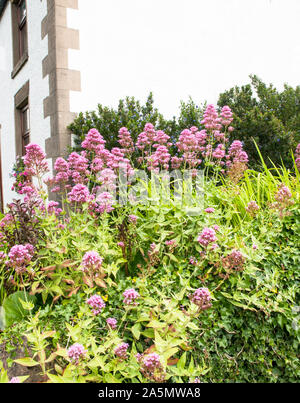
<point x="171" y="242"/>
<point x="125" y="140"/>
<point x="176" y="162"/>
<point x="237" y="160"/>
<point x="121" y="351"/>
<point x="207" y="236"/>
<point x="76" y="352"/>
<point x="254" y="246"/>
<point x="201" y="297"/>
<point x="132" y="218"/>
<point x="104" y="202"/>
<point x="35" y="160"/>
<point x="8" y="219"/>
<point x="130" y="297"/>
<point x="3" y="257"/>
<point x="15" y="380"/>
<point x="97" y="165"/>
<point x="93" y="141"/>
<point x="283" y="194"/>
<point x="121" y="244"/>
<point x="187" y="141"/>
<point x="283" y="199"/>
<point x="252" y="208"/>
<point x="91" y="262"/>
<point x="209" y="210"/>
<point x="107" y="178"/>
<point x="234" y="261"/>
<point x="79" y="194"/>
<point x="151" y="367"/>
<point x="111" y="323"/>
<point x="193" y="261"/>
<point x="53" y="208"/>
<point x="19" y="257"/>
<point x="219" y="152"/>
<point x="160" y="158"/>
<point x="97" y="303"/>
<point x="226" y="116"/>
<point x="211" y="119"/>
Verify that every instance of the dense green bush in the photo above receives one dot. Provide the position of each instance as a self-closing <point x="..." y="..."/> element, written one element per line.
<point x="269" y="117"/>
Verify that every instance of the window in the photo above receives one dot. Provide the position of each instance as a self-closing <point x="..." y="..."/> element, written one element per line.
<point x="22" y="119"/>
<point x="25" y="127"/>
<point x="19" y="30"/>
<point x="22" y="22"/>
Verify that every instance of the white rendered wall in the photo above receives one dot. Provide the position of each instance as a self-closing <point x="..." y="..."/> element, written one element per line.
<point x="38" y="87"/>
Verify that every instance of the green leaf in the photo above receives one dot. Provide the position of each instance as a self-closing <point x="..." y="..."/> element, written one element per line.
<point x="136" y="331"/>
<point x="13" y="309"/>
<point x="182" y="361"/>
<point x="27" y="362"/>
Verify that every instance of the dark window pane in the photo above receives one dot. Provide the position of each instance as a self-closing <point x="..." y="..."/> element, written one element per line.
<point x="22" y="11"/>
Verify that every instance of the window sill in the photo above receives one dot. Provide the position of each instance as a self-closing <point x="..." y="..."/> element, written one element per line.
<point x="19" y="65"/>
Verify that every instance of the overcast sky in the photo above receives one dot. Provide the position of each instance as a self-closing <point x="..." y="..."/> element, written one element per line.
<point x="182" y="48"/>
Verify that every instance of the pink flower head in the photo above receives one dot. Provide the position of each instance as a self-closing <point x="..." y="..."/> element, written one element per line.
<point x="35" y="160"/>
<point x="211" y="120"/>
<point x="79" y="194"/>
<point x="132" y="218"/>
<point x="93" y="141"/>
<point x="130" y="296"/>
<point x="201" y="298"/>
<point x="112" y="323"/>
<point x="91" y="261"/>
<point x="104" y="202"/>
<point x="97" y="303"/>
<point x="121" y="351"/>
<point x="125" y="140"/>
<point x="20" y="256"/>
<point x="209" y="210"/>
<point x="207" y="236"/>
<point x="151" y="361"/>
<point x="252" y="207"/>
<point x="226" y="115"/>
<point x="15" y="380"/>
<point x="76" y="352"/>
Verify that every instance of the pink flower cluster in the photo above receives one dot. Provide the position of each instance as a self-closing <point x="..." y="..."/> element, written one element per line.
<point x="97" y="303"/>
<point x="112" y="323"/>
<point x="91" y="262"/>
<point x="201" y="297"/>
<point x="283" y="199"/>
<point x="151" y="367"/>
<point x="235" y="260"/>
<point x="15" y="380"/>
<point x="79" y="194"/>
<point x="35" y="160"/>
<point x="121" y="351"/>
<point x="76" y="352"/>
<point x="125" y="140"/>
<point x="130" y="297"/>
<point x="207" y="236"/>
<point x="252" y="208"/>
<point x="132" y="218"/>
<point x="19" y="257"/>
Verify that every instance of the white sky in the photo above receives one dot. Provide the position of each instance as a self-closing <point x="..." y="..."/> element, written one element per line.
<point x="181" y="48"/>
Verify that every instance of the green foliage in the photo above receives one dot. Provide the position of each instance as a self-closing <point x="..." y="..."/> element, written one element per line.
<point x="108" y="121"/>
<point x="267" y="116"/>
<point x="15" y="308"/>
